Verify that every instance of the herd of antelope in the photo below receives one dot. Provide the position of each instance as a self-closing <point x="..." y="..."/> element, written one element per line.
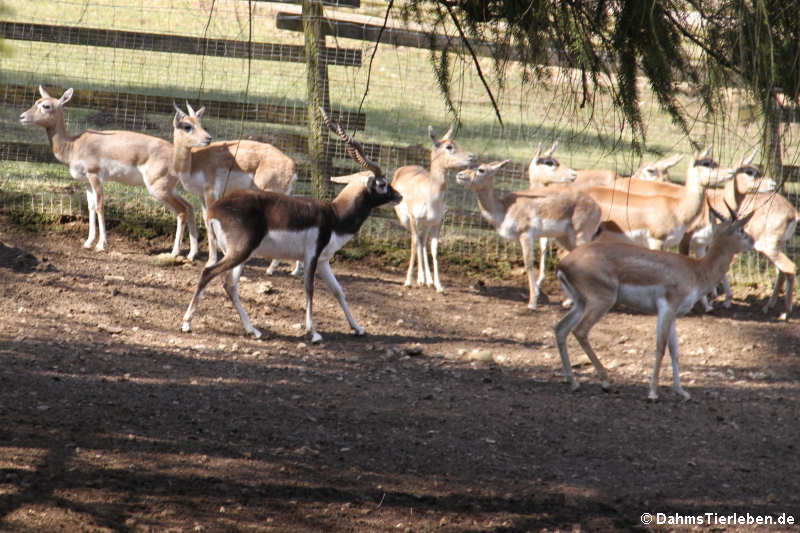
<point x="614" y="230"/>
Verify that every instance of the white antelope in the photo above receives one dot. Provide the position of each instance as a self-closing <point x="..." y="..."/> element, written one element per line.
<point x="571" y="218"/>
<point x="126" y="157"/>
<point x="599" y="275"/>
<point x="227" y="166"/>
<point x="774" y="221"/>
<point x="253" y="222"/>
<point x="423" y="207"/>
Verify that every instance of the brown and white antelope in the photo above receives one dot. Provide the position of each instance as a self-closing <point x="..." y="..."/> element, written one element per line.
<point x="423" y="207"/>
<point x="126" y="157"/>
<point x="599" y="275"/>
<point x="269" y="224"/>
<point x="571" y="218"/>
<point x="226" y="166"/>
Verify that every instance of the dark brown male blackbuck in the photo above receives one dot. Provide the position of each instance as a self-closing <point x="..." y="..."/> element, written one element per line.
<point x="274" y="225"/>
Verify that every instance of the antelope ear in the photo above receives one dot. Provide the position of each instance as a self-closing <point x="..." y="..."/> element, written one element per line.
<point x="672" y="161"/>
<point x="200" y="112"/>
<point x="432" y="135"/>
<point x="446" y="136"/>
<point x="43" y="93"/>
<point x="497" y="165"/>
<point x="66" y="97"/>
<point x="350" y="177"/>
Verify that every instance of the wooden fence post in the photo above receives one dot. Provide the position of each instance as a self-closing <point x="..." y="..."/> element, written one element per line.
<point x="317" y="82"/>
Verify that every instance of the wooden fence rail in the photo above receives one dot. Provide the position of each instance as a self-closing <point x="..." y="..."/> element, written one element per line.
<point x="156" y="42"/>
<point x="138" y="104"/>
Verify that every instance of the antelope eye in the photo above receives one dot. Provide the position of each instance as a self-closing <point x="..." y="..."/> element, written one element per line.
<point x="47" y="107"/>
<point x="186" y="127"/>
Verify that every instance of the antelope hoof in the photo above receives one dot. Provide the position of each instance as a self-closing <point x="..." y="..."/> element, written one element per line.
<point x="784" y="317"/>
<point x="574" y="386"/>
<point x="532" y="305"/>
<point x="683" y="394"/>
<point x="359" y="331"/>
<point x="101" y="247"/>
<point x="186" y="327"/>
<point x="316" y="338"/>
<point x="88" y="244"/>
<point x="256" y="333"/>
<point x="606" y="386"/>
<point x="567" y="303"/>
<point x="439" y="289"/>
<point x="652" y="396"/>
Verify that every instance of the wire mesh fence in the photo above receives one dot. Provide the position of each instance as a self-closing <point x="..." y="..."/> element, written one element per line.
<point x="129" y="59"/>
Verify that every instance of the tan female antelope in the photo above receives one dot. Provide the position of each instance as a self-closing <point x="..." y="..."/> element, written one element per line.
<point x="226" y="166"/>
<point x="268" y="224"/>
<point x="423" y="207"/>
<point x="571" y="218"/>
<point x="126" y="157"/>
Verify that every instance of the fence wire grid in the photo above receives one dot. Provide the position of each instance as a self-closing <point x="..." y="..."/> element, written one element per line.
<point x="129" y="59"/>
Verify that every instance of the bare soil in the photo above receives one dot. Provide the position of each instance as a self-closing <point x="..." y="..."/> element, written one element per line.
<point x="451" y="414"/>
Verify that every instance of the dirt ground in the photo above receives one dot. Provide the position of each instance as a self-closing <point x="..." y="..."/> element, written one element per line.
<point x="451" y="414"/>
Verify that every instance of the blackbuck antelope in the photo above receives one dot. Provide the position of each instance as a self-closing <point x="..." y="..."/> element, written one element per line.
<point x="774" y="221"/>
<point x="571" y="218"/>
<point x="126" y="157"/>
<point x="423" y="207"/>
<point x="601" y="274"/>
<point x="253" y="222"/>
<point x="226" y="166"/>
